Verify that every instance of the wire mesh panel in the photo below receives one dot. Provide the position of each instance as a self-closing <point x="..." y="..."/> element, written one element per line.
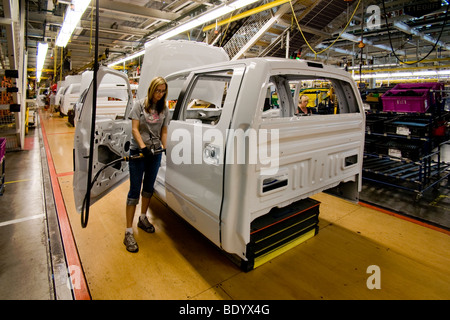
<point x="7" y="117"/>
<point x="246" y="32"/>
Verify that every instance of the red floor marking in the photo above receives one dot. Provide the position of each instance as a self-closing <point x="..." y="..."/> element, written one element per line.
<point x="63" y="174"/>
<point x="81" y="291"/>
<point x="51" y="134"/>
<point x="29" y="143"/>
<point x="423" y="224"/>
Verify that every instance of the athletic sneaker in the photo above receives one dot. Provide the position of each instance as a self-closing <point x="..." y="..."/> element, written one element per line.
<point x="130" y="242"/>
<point x="145" y="225"/>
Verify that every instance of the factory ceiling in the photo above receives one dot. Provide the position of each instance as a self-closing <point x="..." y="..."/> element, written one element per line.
<point x="398" y="33"/>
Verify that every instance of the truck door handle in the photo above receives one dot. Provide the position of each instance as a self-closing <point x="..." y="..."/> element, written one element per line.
<point x="211" y="154"/>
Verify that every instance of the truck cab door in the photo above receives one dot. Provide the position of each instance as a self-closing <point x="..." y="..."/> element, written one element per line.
<point x="195" y="160"/>
<point x="111" y="142"/>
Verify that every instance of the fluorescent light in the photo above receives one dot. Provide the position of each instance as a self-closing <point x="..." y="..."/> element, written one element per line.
<point x="211" y="15"/>
<point x="396" y="75"/>
<point x="133" y="56"/>
<point x="73" y="15"/>
<point x="403" y="74"/>
<point x="425" y="73"/>
<point x="442" y="72"/>
<point x="41" y="54"/>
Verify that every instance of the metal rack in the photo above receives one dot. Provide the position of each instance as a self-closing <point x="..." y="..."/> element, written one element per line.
<point x="416" y="176"/>
<point x="10" y="109"/>
<point x="403" y="149"/>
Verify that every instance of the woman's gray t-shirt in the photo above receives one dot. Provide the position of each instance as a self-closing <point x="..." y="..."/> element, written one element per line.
<point x="149" y="123"/>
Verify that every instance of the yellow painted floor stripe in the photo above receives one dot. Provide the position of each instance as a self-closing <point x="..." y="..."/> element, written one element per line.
<point x="16" y="181"/>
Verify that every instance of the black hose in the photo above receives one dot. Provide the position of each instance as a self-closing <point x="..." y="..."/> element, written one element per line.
<point x="432" y="49"/>
<point x="84" y="216"/>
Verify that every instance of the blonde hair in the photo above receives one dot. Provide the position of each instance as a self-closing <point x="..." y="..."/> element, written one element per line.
<point x="157" y="81"/>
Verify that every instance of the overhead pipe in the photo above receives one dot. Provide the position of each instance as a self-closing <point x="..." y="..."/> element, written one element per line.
<point x="353" y="38"/>
<point x="288" y="39"/>
<point x="247" y="13"/>
<point x="407" y="29"/>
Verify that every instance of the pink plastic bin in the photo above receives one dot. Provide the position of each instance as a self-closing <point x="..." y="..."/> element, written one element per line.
<point x="403" y="103"/>
<point x="2" y="148"/>
<point x="419" y="85"/>
<point x="435" y="86"/>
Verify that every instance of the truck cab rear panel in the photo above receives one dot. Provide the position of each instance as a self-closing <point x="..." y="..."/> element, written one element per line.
<point x="263" y="162"/>
<point x="238" y="152"/>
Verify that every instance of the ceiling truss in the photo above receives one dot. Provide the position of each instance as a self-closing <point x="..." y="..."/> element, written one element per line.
<point x="267" y="30"/>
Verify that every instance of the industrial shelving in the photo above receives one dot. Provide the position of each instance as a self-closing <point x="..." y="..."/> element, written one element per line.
<point x="403" y="149"/>
<point x="10" y="109"/>
<point x="416" y="176"/>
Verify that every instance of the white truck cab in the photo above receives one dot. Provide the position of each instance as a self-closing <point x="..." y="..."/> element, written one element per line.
<point x="71" y="93"/>
<point x="69" y="98"/>
<point x="59" y="94"/>
<point x="41" y="97"/>
<point x="113" y="96"/>
<point x="231" y="171"/>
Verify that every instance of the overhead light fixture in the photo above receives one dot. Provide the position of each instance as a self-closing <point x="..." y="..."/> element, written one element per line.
<point x="444" y="72"/>
<point x="386" y="65"/>
<point x="211" y="15"/>
<point x="133" y="56"/>
<point x="197" y="21"/>
<point x="73" y="15"/>
<point x="395" y="75"/>
<point x="41" y="54"/>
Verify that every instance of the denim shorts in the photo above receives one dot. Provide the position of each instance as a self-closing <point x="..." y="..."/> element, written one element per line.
<point x="143" y="174"/>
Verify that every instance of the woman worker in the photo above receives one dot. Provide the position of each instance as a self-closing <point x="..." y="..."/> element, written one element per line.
<point x="149" y="118"/>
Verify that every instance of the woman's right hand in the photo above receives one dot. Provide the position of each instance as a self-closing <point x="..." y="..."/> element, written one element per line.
<point x="145" y="151"/>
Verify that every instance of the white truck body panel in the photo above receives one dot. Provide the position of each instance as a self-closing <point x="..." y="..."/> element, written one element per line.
<point x="315" y="153"/>
<point x="227" y="164"/>
<point x="59" y="94"/>
<point x="112" y="143"/>
<point x="112" y="95"/>
<point x="41" y="96"/>
<point x="70" y="97"/>
<point x="112" y="100"/>
<point x="164" y="57"/>
<point x="69" y="80"/>
<point x="160" y="59"/>
<point x="108" y="79"/>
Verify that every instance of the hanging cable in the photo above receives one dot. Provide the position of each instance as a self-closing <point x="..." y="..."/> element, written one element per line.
<point x="432" y="49"/>
<point x="85" y="215"/>
<point x="340" y="34"/>
<point x="226" y="30"/>
<point x="86" y="200"/>
<point x="90" y="34"/>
